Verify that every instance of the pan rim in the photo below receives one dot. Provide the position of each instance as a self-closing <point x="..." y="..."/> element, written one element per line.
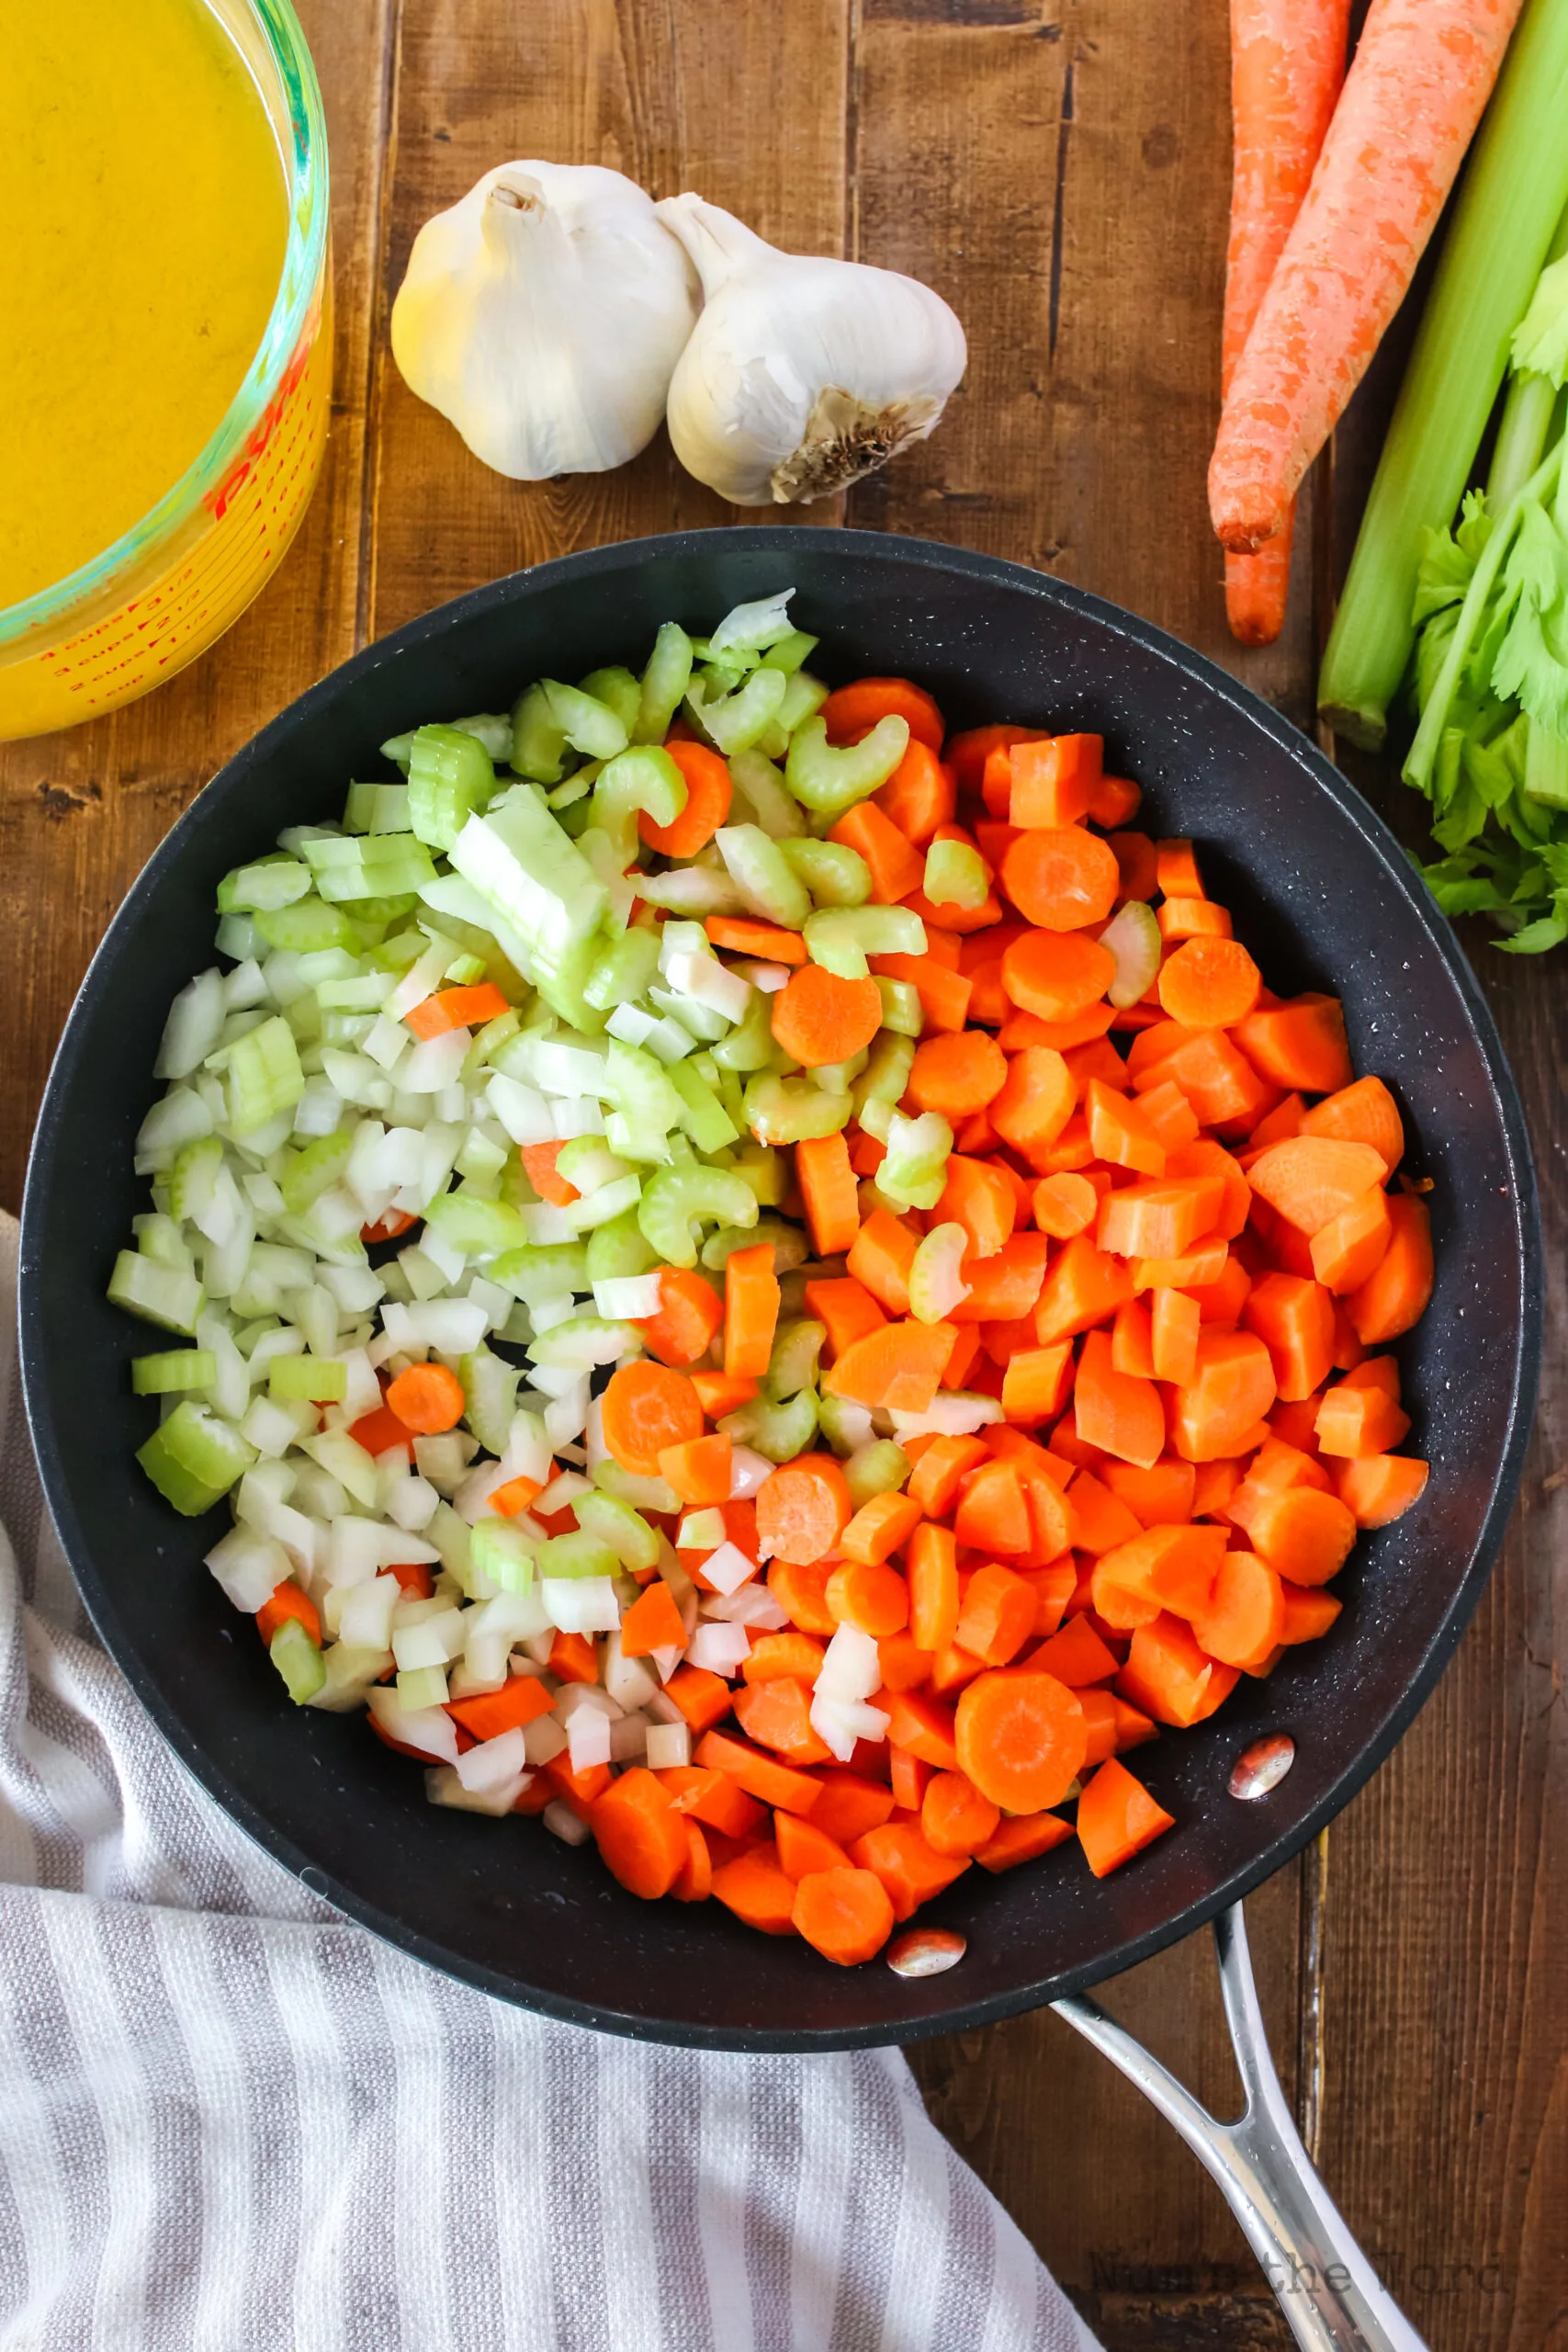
<point x="1523" y="1209"/>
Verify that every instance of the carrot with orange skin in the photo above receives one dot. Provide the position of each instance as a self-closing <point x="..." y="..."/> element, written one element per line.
<point x="652" y="1623"/>
<point x="1422" y="73"/>
<point x="896" y="866"/>
<point x="1054" y="779"/>
<point x="1395" y="1295"/>
<point x="1057" y="975"/>
<point x="980" y="1198"/>
<point x="699" y="1469"/>
<point x="1061" y="877"/>
<point x="1020" y="1737"/>
<point x="920" y="795"/>
<point x="427" y="1399"/>
<point x="1380" y="1488"/>
<point x="461" y="1008"/>
<point x="288" y="1601"/>
<point x="880" y="1257"/>
<point x="803" y="1509"/>
<point x="1209" y="983"/>
<point x="750" y="1311"/>
<point x="899" y="1368"/>
<point x="870" y="1596"/>
<point x="819" y="1018"/>
<point x="1117" y="1819"/>
<point x="776" y="1713"/>
<point x="955" y="1817"/>
<point x="743" y="936"/>
<point x="852" y="711"/>
<point x="641" y="1838"/>
<point x="689" y="1314"/>
<point x="832" y="1202"/>
<point x="957" y="1075"/>
<point x="646" y="1407"/>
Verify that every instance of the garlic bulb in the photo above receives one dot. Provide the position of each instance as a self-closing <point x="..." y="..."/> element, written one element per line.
<point x="801" y="374"/>
<point x="544" y="315"/>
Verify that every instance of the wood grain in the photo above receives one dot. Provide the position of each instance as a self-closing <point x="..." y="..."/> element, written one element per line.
<point x="1058" y="168"/>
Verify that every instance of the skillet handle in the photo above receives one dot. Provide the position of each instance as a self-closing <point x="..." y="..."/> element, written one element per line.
<point x="1326" y="2288"/>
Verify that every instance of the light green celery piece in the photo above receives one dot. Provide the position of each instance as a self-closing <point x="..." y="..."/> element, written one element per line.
<point x="914" y="1174"/>
<point x="644" y="780"/>
<point x="619" y="691"/>
<point x="829" y="781"/>
<point x="628" y="1486"/>
<point x="477" y="1227"/>
<point x="623" y="969"/>
<point x="1133" y="937"/>
<point x="539" y="748"/>
<point x="749" y="1044"/>
<point x="589" y="726"/>
<point x="160" y="1237"/>
<point x="787" y="1110"/>
<point x="191" y="1178"/>
<point x="733" y="721"/>
<point x="299" y="1660"/>
<point x="664" y="684"/>
<point x="763" y="874"/>
<point x="464" y="973"/>
<point x="358" y="807"/>
<point x="608" y="1203"/>
<point x="777" y="1431"/>
<point x="845" y="1425"/>
<point x="313" y="1380"/>
<point x="421" y="1686"/>
<point x="308" y="1173"/>
<point x="522" y="866"/>
<point x="587" y="1162"/>
<point x="885" y="1078"/>
<point x="750" y="629"/>
<point x="490" y="1396"/>
<point x="616" y="1524"/>
<point x="936" y="1280"/>
<point x="677" y="1201"/>
<point x="174" y="1370"/>
<point x="264" y="1076"/>
<point x="483" y="1159"/>
<point x="791" y="1248"/>
<point x="835" y="874"/>
<point x="1513" y="196"/>
<point x="351" y="868"/>
<point x="619" y="1248"/>
<point x="540" y="1272"/>
<point x="761" y="788"/>
<point x="490" y="728"/>
<point x="169" y="1296"/>
<point x="704" y="1116"/>
<point x="194" y="1459"/>
<point x="880" y="1468"/>
<point x="490" y="1039"/>
<point x="309" y="925"/>
<point x="764" y="1170"/>
<point x="792" y="1367"/>
<point x="789" y="652"/>
<point x="806" y="695"/>
<point x="901" y="1009"/>
<point x="450" y="779"/>
<point x="646" y="1105"/>
<point x="577" y="1555"/>
<point x="270" y="883"/>
<point x="499" y="1550"/>
<point x="955" y="874"/>
<point x="841" y="938"/>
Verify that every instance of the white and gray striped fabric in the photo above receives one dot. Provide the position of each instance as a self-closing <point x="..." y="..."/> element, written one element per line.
<point x="231" y="2122"/>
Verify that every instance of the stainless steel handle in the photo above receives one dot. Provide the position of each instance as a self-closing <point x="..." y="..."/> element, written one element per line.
<point x="1327" y="2289"/>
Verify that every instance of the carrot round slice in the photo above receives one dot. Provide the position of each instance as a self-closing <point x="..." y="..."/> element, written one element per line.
<point x="801" y="1510"/>
<point x="957" y="1075"/>
<point x="1209" y="983"/>
<point x="871" y="1595"/>
<point x="1021" y="1738"/>
<point x="427" y="1399"/>
<point x="1061" y="877"/>
<point x="646" y="1407"/>
<point x="1058" y="974"/>
<point x="853" y="711"/>
<point x="846" y="1914"/>
<point x="707" y="803"/>
<point x="641" y="1836"/>
<point x="819" y="1018"/>
<point x="955" y="1817"/>
<point x="1244" y="1620"/>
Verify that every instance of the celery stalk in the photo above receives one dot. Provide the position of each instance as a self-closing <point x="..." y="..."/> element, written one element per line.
<point x="1514" y="194"/>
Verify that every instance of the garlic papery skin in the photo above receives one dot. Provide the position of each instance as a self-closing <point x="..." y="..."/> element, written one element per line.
<point x="544" y="315"/>
<point x="801" y="374"/>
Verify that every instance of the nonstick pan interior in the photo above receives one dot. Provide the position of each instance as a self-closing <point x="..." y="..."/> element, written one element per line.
<point x="1324" y="896"/>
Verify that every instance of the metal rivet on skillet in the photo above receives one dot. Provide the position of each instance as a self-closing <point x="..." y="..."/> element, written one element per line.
<point x="926" y="1951"/>
<point x="1262" y="1766"/>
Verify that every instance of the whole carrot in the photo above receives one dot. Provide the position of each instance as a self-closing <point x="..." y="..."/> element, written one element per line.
<point x="1422" y="73"/>
<point x="1287" y="66"/>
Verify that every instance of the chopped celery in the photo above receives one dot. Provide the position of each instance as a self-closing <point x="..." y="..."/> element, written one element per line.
<point x="623" y="969"/>
<point x="749" y="1044"/>
<point x="846" y="1426"/>
<point x="194" y="1459"/>
<point x="1133" y="937"/>
<point x="766" y="1172"/>
<point x="538" y="739"/>
<point x="830" y="781"/>
<point x="835" y="874"/>
<point x="791" y="1248"/>
<point x="309" y="924"/>
<point x="175" y="1369"/>
<point x="885" y="1078"/>
<point x="264" y="1076"/>
<point x="500" y="1551"/>
<point x="792" y="1367"/>
<point x="788" y="652"/>
<point x="299" y="1660"/>
<point x="628" y="1486"/>
<point x="936" y="1279"/>
<point x="521" y="864"/>
<point x="804" y="695"/>
<point x="313" y="1380"/>
<point x="749" y="629"/>
<point x="589" y="726"/>
<point x="169" y="1296"/>
<point x="841" y="938"/>
<point x="675" y="1201"/>
<point x="761" y="786"/>
<point x="914" y="1174"/>
<point x="955" y="874"/>
<point x="763" y="876"/>
<point x="733" y="721"/>
<point x="646" y="1105"/>
<point x="618" y="690"/>
<point x="837" y="1078"/>
<point x="902" y="1011"/>
<point x="264" y="886"/>
<point x="450" y="778"/>
<point x="618" y="1249"/>
<point x="490" y="1396"/>
<point x="307" y="1173"/>
<point x="643" y="780"/>
<point x="784" y="1110"/>
<point x="664" y="684"/>
<point x="475" y="1227"/>
<point x="616" y="1524"/>
<point x="577" y="1555"/>
<point x="356" y="869"/>
<point x="704" y="1116"/>
<point x="535" y="1275"/>
<point x="191" y="1179"/>
<point x="777" y="1431"/>
<point x="880" y="1468"/>
<point x="378" y="808"/>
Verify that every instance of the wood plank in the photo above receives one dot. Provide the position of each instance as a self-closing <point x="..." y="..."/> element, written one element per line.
<point x="81" y="812"/>
<point x="673" y="95"/>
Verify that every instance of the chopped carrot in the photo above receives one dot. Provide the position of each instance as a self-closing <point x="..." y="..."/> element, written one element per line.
<point x="515" y="1496"/>
<point x="1395" y="1295"/>
<point x="920" y="794"/>
<point x="1035" y="1104"/>
<point x="1082" y="1287"/>
<point x="1175" y="870"/>
<point x="490" y="1712"/>
<point x="1244" y="1620"/>
<point x="539" y="1166"/>
<point x="1020" y="1737"/>
<point x="1137" y="863"/>
<point x="1303" y="1534"/>
<point x="832" y="1204"/>
<point x="743" y="936"/>
<point x="1181" y="919"/>
<point x="880" y="1257"/>
<point x="881" y="1527"/>
<point x="845" y="1308"/>
<point x="1117" y="1819"/>
<point x="1348" y="1250"/>
<point x="776" y="1713"/>
<point x="869" y="1595"/>
<point x="792" y="1654"/>
<point x="289" y="1602"/>
<point x="427" y="1399"/>
<point x="1379" y="1487"/>
<point x="754" y="1887"/>
<point x="957" y="1075"/>
<point x="1310" y="1179"/>
<point x="1064" y="1205"/>
<point x="1054" y="779"/>
<point x="694" y="1882"/>
<point x="1162" y="1219"/>
<point x="1209" y="983"/>
<point x="1103" y="1518"/>
<point x="1037" y="1381"/>
<point x="1159" y="1497"/>
<point x="713" y="1798"/>
<point x="955" y="1817"/>
<point x="703" y="1698"/>
<point x="1119" y="1131"/>
<point x="750" y="1311"/>
<point x="996" y="1616"/>
<point x="819" y="1018"/>
<point x="464" y="1008"/>
<point x="414" y="1577"/>
<point x="847" y="1806"/>
<point x="1300" y="1043"/>
<point x="1099" y="1725"/>
<point x="804" y="1507"/>
<point x="1354" y="1420"/>
<point x="1231" y="1390"/>
<point x="380" y="1431"/>
<point x="1116" y="1411"/>
<point x="804" y="1846"/>
<point x="924" y="1726"/>
<point x="708" y="794"/>
<point x="1171" y="1678"/>
<point x="931" y="1568"/>
<point x="981" y="1199"/>
<point x="1076" y="1656"/>
<point x="1115" y="800"/>
<point x="904" y="1665"/>
<point x="689" y="1314"/>
<point x="1309" y="1613"/>
<point x="1174" y="1326"/>
<point x="1222" y="1085"/>
<point x="641" y="1838"/>
<point x="852" y="711"/>
<point x="1019" y="1838"/>
<point x="968" y="752"/>
<point x="993" y="1511"/>
<point x="1294" y="1318"/>
<point x="700" y="1470"/>
<point x="897" y="1368"/>
<point x="652" y="1623"/>
<point x="909" y="1777"/>
<point x="1005" y="1286"/>
<point x="911" y="1870"/>
<point x="1061" y="877"/>
<point x="802" y="1593"/>
<point x="1165" y="1568"/>
<point x="646" y="1407"/>
<point x="895" y="864"/>
<point x="761" y="1776"/>
<point x="944" y="994"/>
<point x="718" y="1394"/>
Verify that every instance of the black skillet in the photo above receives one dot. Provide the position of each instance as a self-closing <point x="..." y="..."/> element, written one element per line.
<point x="1323" y="895"/>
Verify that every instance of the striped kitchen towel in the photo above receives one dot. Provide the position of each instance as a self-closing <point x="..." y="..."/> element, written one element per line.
<point x="231" y="2122"/>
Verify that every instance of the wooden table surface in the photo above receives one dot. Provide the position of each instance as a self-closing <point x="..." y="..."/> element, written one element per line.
<point x="1058" y="169"/>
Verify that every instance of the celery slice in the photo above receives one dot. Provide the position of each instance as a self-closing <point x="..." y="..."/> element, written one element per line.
<point x="577" y="1555"/>
<point x="618" y="690"/>
<point x="475" y="1227"/>
<point x="885" y="1078"/>
<point x="733" y="721"/>
<point x="644" y="780"/>
<point x="791" y="1248"/>
<point x="311" y="1379"/>
<point x="789" y="652"/>
<point x="675" y="1201"/>
<point x="749" y="1044"/>
<point x="914" y="1174"/>
<point x="194" y="1459"/>
<point x="664" y="684"/>
<point x="521" y="864"/>
<point x="175" y="1369"/>
<point x="830" y="781"/>
<point x="263" y="887"/>
<point x="450" y="778"/>
<point x="1133" y="936"/>
<point x="763" y="874"/>
<point x="841" y="938"/>
<point x="307" y="1173"/>
<point x="704" y="1116"/>
<point x="901" y="1009"/>
<point x="777" y="1431"/>
<point x="537" y="1274"/>
<point x="792" y="1367"/>
<point x="490" y="1396"/>
<point x="622" y="970"/>
<point x="783" y="1110"/>
<point x="936" y="1280"/>
<point x="615" y="1524"/>
<point x="589" y="726"/>
<point x="955" y="874"/>
<point x="169" y="1296"/>
<point x="499" y="1550"/>
<point x="846" y="1426"/>
<point x="761" y="787"/>
<point x="538" y="739"/>
<point x="835" y="874"/>
<point x="299" y="1660"/>
<point x="880" y="1468"/>
<point x="306" y="926"/>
